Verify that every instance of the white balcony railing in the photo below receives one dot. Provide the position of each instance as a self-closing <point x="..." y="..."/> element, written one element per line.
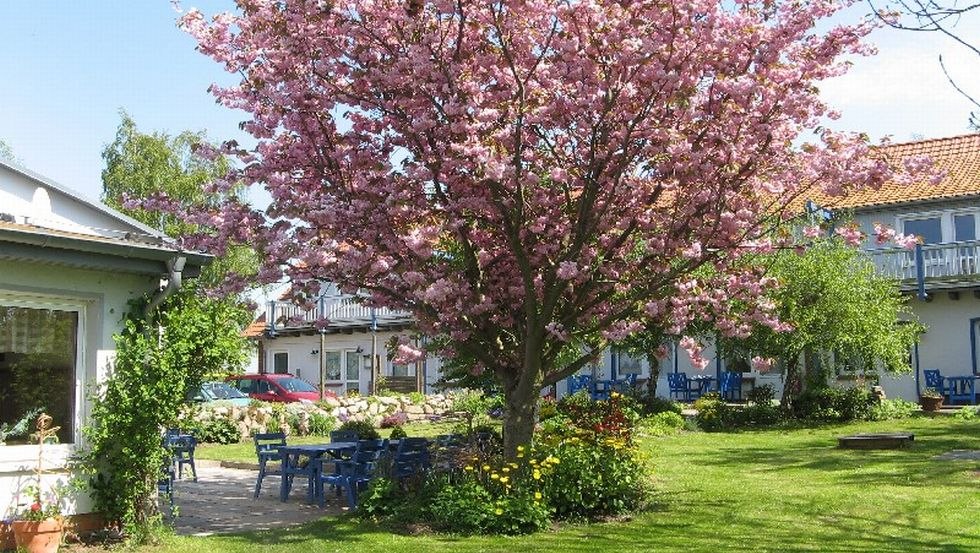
<point x="951" y="262"/>
<point x="336" y="311"/>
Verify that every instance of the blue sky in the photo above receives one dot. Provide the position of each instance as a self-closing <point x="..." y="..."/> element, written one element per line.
<point x="68" y="67"/>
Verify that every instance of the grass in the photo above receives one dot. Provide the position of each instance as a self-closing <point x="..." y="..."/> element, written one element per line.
<point x="786" y="490"/>
<point x="245" y="452"/>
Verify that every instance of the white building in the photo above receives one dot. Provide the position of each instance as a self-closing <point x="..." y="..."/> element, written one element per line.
<point x="68" y="267"/>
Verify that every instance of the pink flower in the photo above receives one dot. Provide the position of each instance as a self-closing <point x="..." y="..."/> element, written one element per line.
<point x="883" y="234"/>
<point x="907" y="241"/>
<point x="812" y="232"/>
<point x="567" y="270"/>
<point x="852" y="236"/>
<point x="762" y="364"/>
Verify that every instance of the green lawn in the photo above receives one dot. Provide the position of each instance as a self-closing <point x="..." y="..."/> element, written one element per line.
<point x="752" y="491"/>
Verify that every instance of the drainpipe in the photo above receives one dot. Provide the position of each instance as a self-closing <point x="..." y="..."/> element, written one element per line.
<point x="175" y="267"/>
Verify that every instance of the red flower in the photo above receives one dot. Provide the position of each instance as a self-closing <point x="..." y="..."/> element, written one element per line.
<point x="36" y="506"/>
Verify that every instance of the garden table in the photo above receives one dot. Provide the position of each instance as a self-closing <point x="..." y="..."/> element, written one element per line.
<point x="962" y="388"/>
<point x="292" y="466"/>
<point x="705" y="383"/>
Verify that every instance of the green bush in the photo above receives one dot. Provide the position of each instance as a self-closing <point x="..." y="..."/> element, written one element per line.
<point x="465" y="508"/>
<point x="893" y="409"/>
<point x="321" y="424"/>
<point x="213" y="431"/>
<point x="761" y="395"/>
<point x="756" y="415"/>
<point x="547" y="408"/>
<point x="398" y="433"/>
<point x="664" y="423"/>
<point x="591" y="480"/>
<point x="417" y="398"/>
<point x="653" y="405"/>
<point x="834" y="404"/>
<point x="616" y="417"/>
<point x="967" y="413"/>
<point x="364" y="429"/>
<point x="518" y="513"/>
<point x="714" y="415"/>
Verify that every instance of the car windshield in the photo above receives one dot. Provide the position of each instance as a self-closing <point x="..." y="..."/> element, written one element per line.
<point x="295" y="385"/>
<point x="220" y="390"/>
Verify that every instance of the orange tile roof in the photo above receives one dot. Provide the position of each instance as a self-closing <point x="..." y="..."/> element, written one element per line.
<point x="256" y="329"/>
<point x="957" y="156"/>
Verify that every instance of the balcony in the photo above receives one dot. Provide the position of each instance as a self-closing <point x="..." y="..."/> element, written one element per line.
<point x="931" y="266"/>
<point x="337" y="313"/>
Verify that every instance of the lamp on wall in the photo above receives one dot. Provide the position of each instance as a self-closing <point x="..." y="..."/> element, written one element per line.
<point x="315" y="352"/>
<point x="359" y="350"/>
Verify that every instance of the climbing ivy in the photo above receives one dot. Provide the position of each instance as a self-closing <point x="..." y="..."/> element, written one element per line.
<point x="153" y="369"/>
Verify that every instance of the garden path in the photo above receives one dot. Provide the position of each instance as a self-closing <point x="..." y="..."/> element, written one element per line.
<point x="221" y="502"/>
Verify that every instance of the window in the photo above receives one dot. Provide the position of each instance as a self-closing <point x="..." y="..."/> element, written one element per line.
<point x="261" y="387"/>
<point x="280" y="362"/>
<point x="964" y="227"/>
<point x="628" y="364"/>
<point x="38" y="357"/>
<point x="332" y="360"/>
<point x="247" y="386"/>
<point x="930" y="229"/>
<point x="402" y="370"/>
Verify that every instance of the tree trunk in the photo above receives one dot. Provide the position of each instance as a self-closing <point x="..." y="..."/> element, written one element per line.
<point x="520" y="416"/>
<point x="654" y="365"/>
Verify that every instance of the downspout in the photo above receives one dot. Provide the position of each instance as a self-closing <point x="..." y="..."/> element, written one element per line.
<point x="175" y="268"/>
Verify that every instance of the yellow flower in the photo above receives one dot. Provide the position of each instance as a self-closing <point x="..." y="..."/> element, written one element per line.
<point x="504" y="480"/>
<point x="499" y="512"/>
<point x="537" y="495"/>
<point x="506" y="469"/>
<point x="520" y="455"/>
<point x="468" y="468"/>
<point x="486" y="467"/>
<point x="495" y="476"/>
<point x="536" y="475"/>
<point x="520" y="448"/>
<point x="614" y="395"/>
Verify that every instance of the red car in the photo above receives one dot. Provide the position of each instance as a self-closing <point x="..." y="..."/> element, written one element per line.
<point x="285" y="388"/>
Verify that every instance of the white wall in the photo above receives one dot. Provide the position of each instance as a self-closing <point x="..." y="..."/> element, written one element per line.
<point x="101" y="298"/>
<point x="305" y="364"/>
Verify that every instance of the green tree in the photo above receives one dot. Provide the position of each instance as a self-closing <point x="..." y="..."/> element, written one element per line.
<point x="835" y="302"/>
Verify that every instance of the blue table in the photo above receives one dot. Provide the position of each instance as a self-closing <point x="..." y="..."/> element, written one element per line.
<point x="962" y="388"/>
<point x="292" y="466"/>
<point x="704" y="384"/>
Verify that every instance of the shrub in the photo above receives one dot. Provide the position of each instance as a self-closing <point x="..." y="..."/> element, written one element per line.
<point x="653" y="405"/>
<point x="967" y="413"/>
<point x="590" y="480"/>
<point x="364" y="429"/>
<point x="321" y="424"/>
<point x="213" y="431"/>
<point x="547" y="408"/>
<point x="893" y="409"/>
<point x="394" y="420"/>
<point x="465" y="508"/>
<point x="834" y="404"/>
<point x="714" y="414"/>
<point x="398" y="433"/>
<point x="417" y="398"/>
<point x="756" y="415"/>
<point x="761" y="395"/>
<point x="616" y="417"/>
<point x="662" y="424"/>
<point x="519" y="513"/>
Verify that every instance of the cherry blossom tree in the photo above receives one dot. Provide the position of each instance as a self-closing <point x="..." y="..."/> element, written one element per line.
<point x="531" y="178"/>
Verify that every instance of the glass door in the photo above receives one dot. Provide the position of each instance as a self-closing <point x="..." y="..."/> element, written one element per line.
<point x="352" y="371"/>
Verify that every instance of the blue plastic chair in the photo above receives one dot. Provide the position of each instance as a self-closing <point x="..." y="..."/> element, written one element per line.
<point x="267" y="450"/>
<point x="578" y="382"/>
<point x="411" y="457"/>
<point x="353" y="475"/>
<point x="936" y="381"/>
<point x="730" y="386"/>
<point x="682" y="387"/>
<point x="183" y="450"/>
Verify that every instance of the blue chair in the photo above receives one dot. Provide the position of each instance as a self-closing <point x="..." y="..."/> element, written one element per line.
<point x="730" y="386"/>
<point x="578" y="382"/>
<point x="267" y="450"/>
<point x="411" y="457"/>
<point x="682" y="387"/>
<point x="936" y="381"/>
<point x="353" y="475"/>
<point x="165" y="485"/>
<point x="183" y="451"/>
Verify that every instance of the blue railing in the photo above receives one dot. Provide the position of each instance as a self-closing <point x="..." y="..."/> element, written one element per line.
<point x="949" y="262"/>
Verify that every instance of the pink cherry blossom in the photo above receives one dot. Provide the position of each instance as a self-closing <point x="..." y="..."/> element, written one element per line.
<point x="852" y="236"/>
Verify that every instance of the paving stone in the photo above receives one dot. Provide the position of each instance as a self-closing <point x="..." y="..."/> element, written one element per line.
<point x="959" y="455"/>
<point x="221" y="502"/>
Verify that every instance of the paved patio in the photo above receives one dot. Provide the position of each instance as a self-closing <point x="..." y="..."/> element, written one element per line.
<point x="221" y="502"/>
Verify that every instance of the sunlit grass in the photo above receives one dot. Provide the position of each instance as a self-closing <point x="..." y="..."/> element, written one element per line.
<point x="787" y="490"/>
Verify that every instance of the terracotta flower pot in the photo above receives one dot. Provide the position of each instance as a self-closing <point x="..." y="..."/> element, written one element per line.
<point x="38" y="536"/>
<point x="931" y="404"/>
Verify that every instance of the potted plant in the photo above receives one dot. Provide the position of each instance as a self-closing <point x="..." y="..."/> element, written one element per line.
<point x="930" y="400"/>
<point x="40" y="528"/>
